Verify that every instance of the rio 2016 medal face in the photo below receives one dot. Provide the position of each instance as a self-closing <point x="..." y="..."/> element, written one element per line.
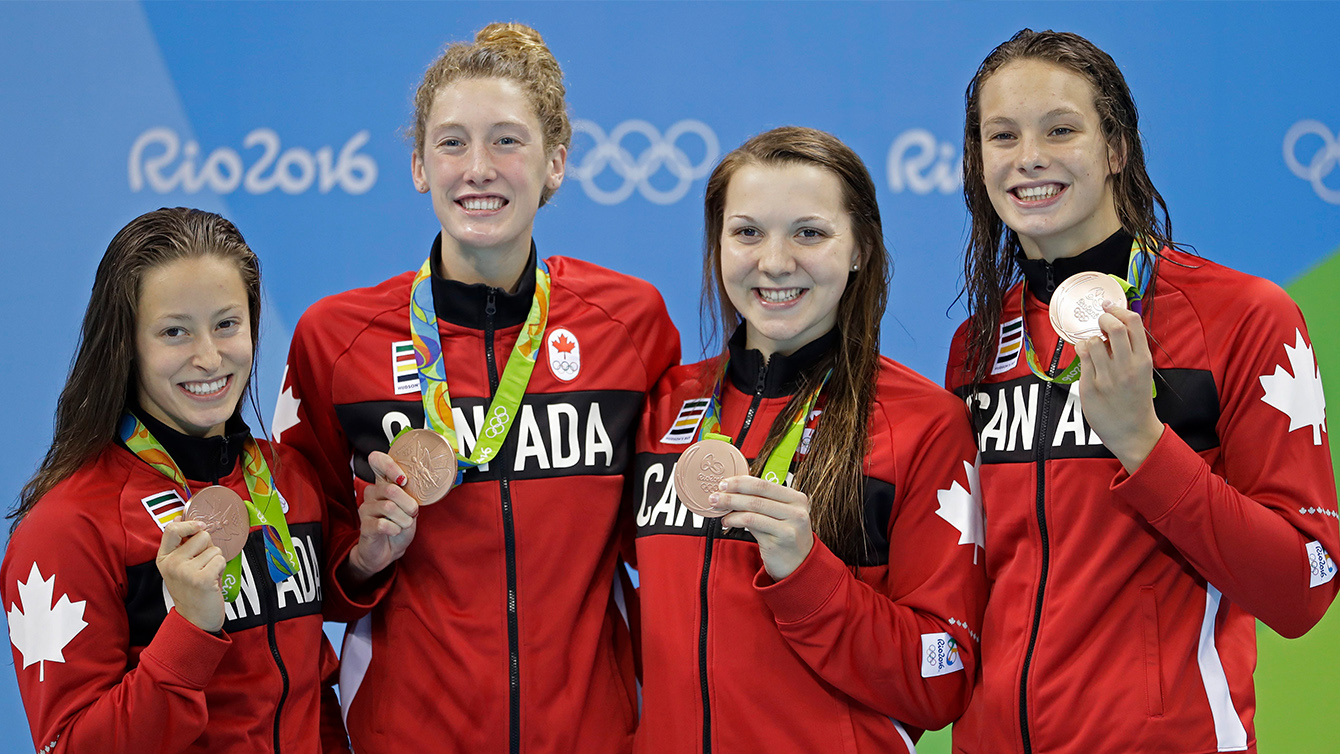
<point x="1078" y="302"/>
<point x="700" y="470"/>
<point x="428" y="462"/>
<point x="224" y="515"/>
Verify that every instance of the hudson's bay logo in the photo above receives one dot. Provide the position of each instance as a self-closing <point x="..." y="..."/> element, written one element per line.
<point x="160" y="162"/>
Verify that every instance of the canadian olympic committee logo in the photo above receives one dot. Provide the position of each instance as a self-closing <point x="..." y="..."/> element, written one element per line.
<point x="1319" y="160"/>
<point x="159" y="160"/>
<point x="920" y="163"/>
<point x="661" y="153"/>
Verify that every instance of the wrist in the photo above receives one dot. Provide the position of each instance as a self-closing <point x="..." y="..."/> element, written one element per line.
<point x="1133" y="451"/>
<point x="357" y="572"/>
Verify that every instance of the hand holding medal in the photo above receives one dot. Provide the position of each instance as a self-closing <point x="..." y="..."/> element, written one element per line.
<point x="1116" y="371"/>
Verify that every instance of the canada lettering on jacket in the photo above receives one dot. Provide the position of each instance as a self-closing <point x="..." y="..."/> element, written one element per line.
<point x="564" y="434"/>
<point x="1006" y="416"/>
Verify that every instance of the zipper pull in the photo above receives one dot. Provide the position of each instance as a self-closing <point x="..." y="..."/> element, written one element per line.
<point x="490" y="307"/>
<point x="762" y="378"/>
<point x="223" y="469"/>
<point x="1051" y="279"/>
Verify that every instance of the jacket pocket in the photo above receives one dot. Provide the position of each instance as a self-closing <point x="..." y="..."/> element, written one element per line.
<point x="1153" y="662"/>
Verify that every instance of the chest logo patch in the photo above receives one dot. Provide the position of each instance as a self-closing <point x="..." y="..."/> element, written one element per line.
<point x="404" y="369"/>
<point x="1298" y="395"/>
<point x="1011" y="344"/>
<point x="41" y="630"/>
<point x="685" y="426"/>
<point x="565" y="354"/>
<point x="164" y="507"/>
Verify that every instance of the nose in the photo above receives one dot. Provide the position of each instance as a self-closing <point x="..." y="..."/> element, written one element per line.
<point x="1032" y="155"/>
<point x="207" y="356"/>
<point x="775" y="259"/>
<point x="479" y="165"/>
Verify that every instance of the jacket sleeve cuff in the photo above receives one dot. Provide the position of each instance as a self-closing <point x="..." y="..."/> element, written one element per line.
<point x="366" y="595"/>
<point x="188" y="651"/>
<point x="807" y="589"/>
<point x="1155" y="488"/>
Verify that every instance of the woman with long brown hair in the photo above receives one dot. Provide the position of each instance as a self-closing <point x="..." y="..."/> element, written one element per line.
<point x="817" y="598"/>
<point x="485" y="622"/>
<point x="1134" y="537"/>
<point x="163" y="573"/>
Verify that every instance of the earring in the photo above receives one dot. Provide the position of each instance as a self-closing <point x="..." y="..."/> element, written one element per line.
<point x="855" y="267"/>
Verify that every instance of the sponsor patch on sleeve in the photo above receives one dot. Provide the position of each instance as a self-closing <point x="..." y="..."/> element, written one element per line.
<point x="686" y="422"/>
<point x="1320" y="564"/>
<point x="939" y="655"/>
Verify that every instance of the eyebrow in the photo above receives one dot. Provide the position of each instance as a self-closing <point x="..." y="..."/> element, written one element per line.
<point x="1053" y="113"/>
<point x="187" y="317"/>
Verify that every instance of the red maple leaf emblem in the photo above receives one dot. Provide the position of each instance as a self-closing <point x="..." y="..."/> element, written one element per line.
<point x="563" y="345"/>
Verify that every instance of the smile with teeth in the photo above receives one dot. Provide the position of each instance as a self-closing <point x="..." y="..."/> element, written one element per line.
<point x="482" y="203"/>
<point x="779" y="295"/>
<point x="1037" y="193"/>
<point x="206" y="388"/>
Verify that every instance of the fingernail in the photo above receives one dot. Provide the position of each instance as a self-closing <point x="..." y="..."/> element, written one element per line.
<point x="721" y="485"/>
<point x="713" y="499"/>
<point x="400" y="480"/>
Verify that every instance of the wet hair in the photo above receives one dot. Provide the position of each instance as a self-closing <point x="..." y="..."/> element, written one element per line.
<point x="506" y="51"/>
<point x="103" y="377"/>
<point x="989" y="266"/>
<point x="830" y="473"/>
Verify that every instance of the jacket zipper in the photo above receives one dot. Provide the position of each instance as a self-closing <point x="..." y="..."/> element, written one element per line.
<point x="1040" y="453"/>
<point x="509" y="539"/>
<point x="714" y="526"/>
<point x="272" y="599"/>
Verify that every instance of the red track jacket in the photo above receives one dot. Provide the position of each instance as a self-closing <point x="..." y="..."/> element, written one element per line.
<point x="824" y="660"/>
<point x="1122" y="611"/>
<point x="106" y="665"/>
<point x="496" y="631"/>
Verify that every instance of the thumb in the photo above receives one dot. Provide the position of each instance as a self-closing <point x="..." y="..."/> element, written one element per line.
<point x="175" y="532"/>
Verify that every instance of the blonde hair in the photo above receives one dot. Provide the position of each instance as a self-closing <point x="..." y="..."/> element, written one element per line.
<point x="507" y="51"/>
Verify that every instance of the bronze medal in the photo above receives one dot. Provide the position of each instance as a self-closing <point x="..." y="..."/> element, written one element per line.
<point x="224" y="515"/>
<point x="700" y="470"/>
<point x="428" y="462"/>
<point x="1078" y="303"/>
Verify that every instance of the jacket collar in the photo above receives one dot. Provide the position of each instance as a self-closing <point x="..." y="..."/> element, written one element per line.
<point x="1112" y="255"/>
<point x="781" y="375"/>
<point x="202" y="459"/>
<point x="464" y="304"/>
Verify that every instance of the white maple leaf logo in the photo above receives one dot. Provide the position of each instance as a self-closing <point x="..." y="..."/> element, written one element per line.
<point x="1298" y="395"/>
<point x="963" y="508"/>
<point x="286" y="410"/>
<point x="41" y="631"/>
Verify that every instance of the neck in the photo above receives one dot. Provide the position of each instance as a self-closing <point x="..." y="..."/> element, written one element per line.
<point x="498" y="268"/>
<point x="1074" y="242"/>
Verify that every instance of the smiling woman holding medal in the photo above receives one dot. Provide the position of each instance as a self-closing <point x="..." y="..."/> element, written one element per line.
<point x="472" y="423"/>
<point x="171" y="630"/>
<point x="1134" y="537"/>
<point x="817" y="598"/>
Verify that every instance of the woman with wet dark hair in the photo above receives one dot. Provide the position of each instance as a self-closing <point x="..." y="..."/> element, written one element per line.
<point x="163" y="573"/>
<point x="1134" y="537"/>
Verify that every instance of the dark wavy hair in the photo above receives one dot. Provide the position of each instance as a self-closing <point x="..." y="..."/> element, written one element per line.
<point x="831" y="473"/>
<point x="989" y="267"/>
<point x="103" y="375"/>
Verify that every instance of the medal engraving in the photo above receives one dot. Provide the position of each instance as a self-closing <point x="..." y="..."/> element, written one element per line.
<point x="428" y="462"/>
<point x="225" y="518"/>
<point x="700" y="470"/>
<point x="1078" y="303"/>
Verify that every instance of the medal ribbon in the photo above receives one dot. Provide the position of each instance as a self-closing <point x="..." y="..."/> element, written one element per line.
<point x="264" y="508"/>
<point x="779" y="462"/>
<point x="1136" y="285"/>
<point x="433" y="374"/>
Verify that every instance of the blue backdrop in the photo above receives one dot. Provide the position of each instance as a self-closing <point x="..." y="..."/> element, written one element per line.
<point x="288" y="118"/>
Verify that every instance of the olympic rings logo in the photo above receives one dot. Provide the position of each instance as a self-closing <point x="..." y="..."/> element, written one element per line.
<point x="1323" y="161"/>
<point x="565" y="367"/>
<point x="497" y="422"/>
<point x="662" y="152"/>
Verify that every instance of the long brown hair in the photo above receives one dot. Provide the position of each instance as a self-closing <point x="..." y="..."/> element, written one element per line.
<point x="989" y="266"/>
<point x="506" y="51"/>
<point x="829" y="473"/>
<point x="103" y="375"/>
